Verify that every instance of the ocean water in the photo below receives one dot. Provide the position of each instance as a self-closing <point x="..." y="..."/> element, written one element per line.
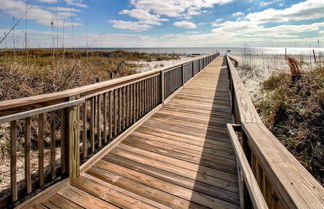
<point x="223" y="50"/>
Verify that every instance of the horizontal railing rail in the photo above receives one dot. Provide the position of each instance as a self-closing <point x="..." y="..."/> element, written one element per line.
<point x="247" y="180"/>
<point x="17" y="116"/>
<point x="64" y="130"/>
<point x="282" y="180"/>
<point x="16" y="105"/>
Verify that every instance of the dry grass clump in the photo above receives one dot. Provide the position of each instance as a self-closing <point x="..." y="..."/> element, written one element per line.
<point x="294" y="111"/>
<point x="294" y="65"/>
<point x="44" y="73"/>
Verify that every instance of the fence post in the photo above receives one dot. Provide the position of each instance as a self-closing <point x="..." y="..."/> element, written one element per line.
<point x="162" y="87"/>
<point x="73" y="142"/>
<point x="193" y="69"/>
<point x="199" y="67"/>
<point x="314" y="55"/>
<point x="183" y="75"/>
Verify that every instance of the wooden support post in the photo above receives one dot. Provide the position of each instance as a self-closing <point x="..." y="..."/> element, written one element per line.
<point x="314" y="55"/>
<point x="73" y="141"/>
<point x="27" y="155"/>
<point x="41" y="149"/>
<point x="183" y="75"/>
<point x="162" y="87"/>
<point x="13" y="160"/>
<point x="193" y="69"/>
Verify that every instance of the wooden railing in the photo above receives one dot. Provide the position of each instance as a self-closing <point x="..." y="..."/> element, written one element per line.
<point x="269" y="175"/>
<point x="71" y="126"/>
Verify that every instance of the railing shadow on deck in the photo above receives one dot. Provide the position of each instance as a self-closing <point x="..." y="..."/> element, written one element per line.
<point x="224" y="193"/>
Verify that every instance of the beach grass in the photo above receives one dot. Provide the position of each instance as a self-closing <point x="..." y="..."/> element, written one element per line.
<point x="38" y="71"/>
<point x="292" y="107"/>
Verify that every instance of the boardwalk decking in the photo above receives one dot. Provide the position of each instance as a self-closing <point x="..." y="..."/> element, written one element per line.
<point x="181" y="157"/>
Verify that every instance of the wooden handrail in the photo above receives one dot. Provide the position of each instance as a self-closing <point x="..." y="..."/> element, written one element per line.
<point x="38" y="111"/>
<point x="84" y="90"/>
<point x="241" y="101"/>
<point x="248" y="180"/>
<point x="283" y="181"/>
<point x="284" y="175"/>
<point x="233" y="60"/>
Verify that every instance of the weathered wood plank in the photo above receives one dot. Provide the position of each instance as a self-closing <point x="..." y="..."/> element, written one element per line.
<point x="250" y="182"/>
<point x="247" y="112"/>
<point x="92" y="124"/>
<point x="85" y="199"/>
<point x="27" y="155"/>
<point x="74" y="142"/>
<point x="165" y="186"/>
<point x="53" y="145"/>
<point x="99" y="121"/>
<point x="111" y="195"/>
<point x="224" y="190"/>
<point x="57" y="201"/>
<point x="143" y="190"/>
<point x="168" y="163"/>
<point x="13" y="160"/>
<point x="41" y="149"/>
<point x="296" y="188"/>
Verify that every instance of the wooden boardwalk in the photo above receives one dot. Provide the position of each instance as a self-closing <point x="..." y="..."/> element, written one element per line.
<point x="181" y="157"/>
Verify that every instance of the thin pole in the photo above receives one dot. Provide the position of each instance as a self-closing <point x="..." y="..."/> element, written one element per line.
<point x="57" y="29"/>
<point x="87" y="39"/>
<point x="26" y="38"/>
<point x="63" y="37"/>
<point x="13" y="39"/>
<point x="53" y="39"/>
<point x="72" y="34"/>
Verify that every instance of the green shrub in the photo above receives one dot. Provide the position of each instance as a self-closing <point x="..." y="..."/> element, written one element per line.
<point x="294" y="112"/>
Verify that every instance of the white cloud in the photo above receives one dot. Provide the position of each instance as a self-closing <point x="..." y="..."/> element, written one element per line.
<point x="217" y="21"/>
<point x="176" y="8"/>
<point x="129" y="25"/>
<point x="48" y="1"/>
<point x="185" y="24"/>
<point x="265" y="3"/>
<point x="148" y="12"/>
<point x="144" y="16"/>
<point x="249" y="32"/>
<point x="77" y="3"/>
<point x="37" y="13"/>
<point x="307" y="10"/>
<point x="64" y="9"/>
<point x="236" y="14"/>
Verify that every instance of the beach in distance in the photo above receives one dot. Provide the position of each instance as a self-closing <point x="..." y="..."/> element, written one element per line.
<point x="223" y="50"/>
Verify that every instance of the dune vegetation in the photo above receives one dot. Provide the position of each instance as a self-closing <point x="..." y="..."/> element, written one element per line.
<point x="292" y="107"/>
<point x="36" y="72"/>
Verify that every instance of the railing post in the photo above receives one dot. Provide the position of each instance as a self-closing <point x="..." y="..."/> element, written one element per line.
<point x="73" y="141"/>
<point x="199" y="67"/>
<point x="192" y="69"/>
<point x="162" y="87"/>
<point x="183" y="75"/>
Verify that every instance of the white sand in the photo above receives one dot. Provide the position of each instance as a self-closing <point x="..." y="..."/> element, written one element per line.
<point x="146" y="66"/>
<point x="254" y="69"/>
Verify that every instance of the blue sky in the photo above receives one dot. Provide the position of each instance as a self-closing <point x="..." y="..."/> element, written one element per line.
<point x="163" y="23"/>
